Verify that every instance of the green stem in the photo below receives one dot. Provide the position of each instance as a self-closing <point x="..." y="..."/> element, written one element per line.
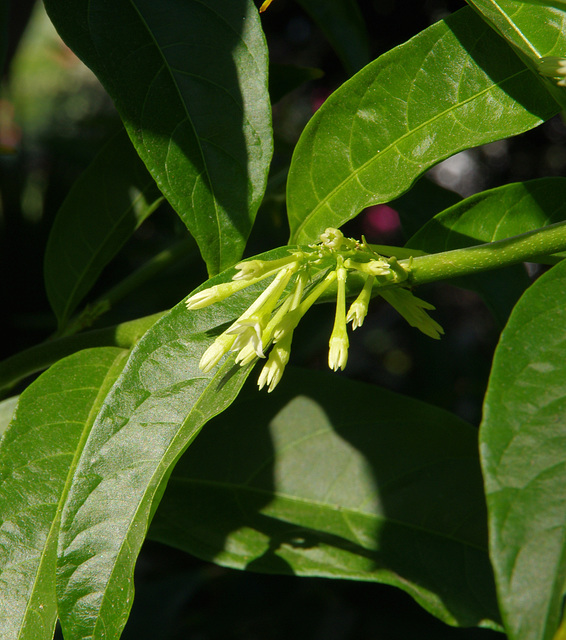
<point x="526" y="247"/>
<point x="35" y="359"/>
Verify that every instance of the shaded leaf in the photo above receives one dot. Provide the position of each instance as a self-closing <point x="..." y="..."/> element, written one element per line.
<point x="154" y="411"/>
<point x="105" y="206"/>
<point x="499" y="213"/>
<point x="421" y="203"/>
<point x="455" y="85"/>
<point x="523" y="439"/>
<point x="343" y="25"/>
<point x="37" y="456"/>
<point x="328" y="477"/>
<point x="189" y="80"/>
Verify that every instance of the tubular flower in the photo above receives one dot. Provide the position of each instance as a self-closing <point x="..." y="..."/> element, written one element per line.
<point x="298" y="280"/>
<point x="272" y="371"/>
<point x="359" y="308"/>
<point x="338" y="346"/>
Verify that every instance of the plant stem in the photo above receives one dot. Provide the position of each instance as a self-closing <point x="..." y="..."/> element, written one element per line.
<point x="483" y="257"/>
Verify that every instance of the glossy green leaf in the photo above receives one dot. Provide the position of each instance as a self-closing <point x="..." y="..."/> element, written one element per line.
<point x="523" y="439"/>
<point x="455" y="85"/>
<point x="343" y="25"/>
<point x="534" y="30"/>
<point x="156" y="408"/>
<point x="7" y="408"/>
<point x="499" y="213"/>
<point x="327" y="477"/>
<point x="104" y="207"/>
<point x="37" y="455"/>
<point x="189" y="80"/>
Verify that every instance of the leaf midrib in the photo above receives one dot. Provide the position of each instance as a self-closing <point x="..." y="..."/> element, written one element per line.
<point x="190" y="121"/>
<point x="316" y="503"/>
<point x="355" y="174"/>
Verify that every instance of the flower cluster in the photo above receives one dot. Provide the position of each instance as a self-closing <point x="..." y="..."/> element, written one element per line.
<point x="299" y="280"/>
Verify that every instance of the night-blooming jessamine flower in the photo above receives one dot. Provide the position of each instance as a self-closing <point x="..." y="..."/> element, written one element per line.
<point x="359" y="308"/>
<point x="338" y="345"/>
<point x="292" y="319"/>
<point x="266" y="328"/>
<point x="256" y="269"/>
<point x="248" y="334"/>
<point x="272" y="371"/>
<point x="380" y="267"/>
<point x="212" y="356"/>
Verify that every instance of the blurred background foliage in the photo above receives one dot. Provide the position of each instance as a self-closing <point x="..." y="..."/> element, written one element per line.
<point x="55" y="116"/>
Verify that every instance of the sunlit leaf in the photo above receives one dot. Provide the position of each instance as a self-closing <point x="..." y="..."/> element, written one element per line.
<point x="37" y="456"/>
<point x="453" y="86"/>
<point x="523" y="439"/>
<point x="534" y="30"/>
<point x="189" y="80"/>
<point x="327" y="477"/>
<point x="7" y="408"/>
<point x="154" y="411"/>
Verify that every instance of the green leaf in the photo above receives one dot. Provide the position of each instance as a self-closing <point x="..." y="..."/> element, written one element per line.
<point x="155" y="410"/>
<point x="37" y="456"/>
<point x="492" y="215"/>
<point x="523" y="439"/>
<point x="343" y="25"/>
<point x="533" y="30"/>
<point x="7" y="408"/>
<point x="328" y="477"/>
<point x="455" y="85"/>
<point x="105" y="206"/>
<point x="421" y="203"/>
<point x="189" y="80"/>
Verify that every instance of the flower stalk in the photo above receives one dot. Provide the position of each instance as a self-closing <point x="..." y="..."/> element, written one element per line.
<point x="266" y="328"/>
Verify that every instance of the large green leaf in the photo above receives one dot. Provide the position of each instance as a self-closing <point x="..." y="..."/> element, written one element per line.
<point x="327" y="477"/>
<point x="190" y="82"/>
<point x="7" y="408"/>
<point x="343" y="25"/>
<point x="104" y="207"/>
<point x="37" y="456"/>
<point x="453" y="86"/>
<point x="156" y="408"/>
<point x="534" y="31"/>
<point x="523" y="445"/>
<point x="493" y="215"/>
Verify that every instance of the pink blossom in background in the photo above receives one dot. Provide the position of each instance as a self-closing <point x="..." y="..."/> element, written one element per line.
<point x="318" y="97"/>
<point x="380" y="220"/>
